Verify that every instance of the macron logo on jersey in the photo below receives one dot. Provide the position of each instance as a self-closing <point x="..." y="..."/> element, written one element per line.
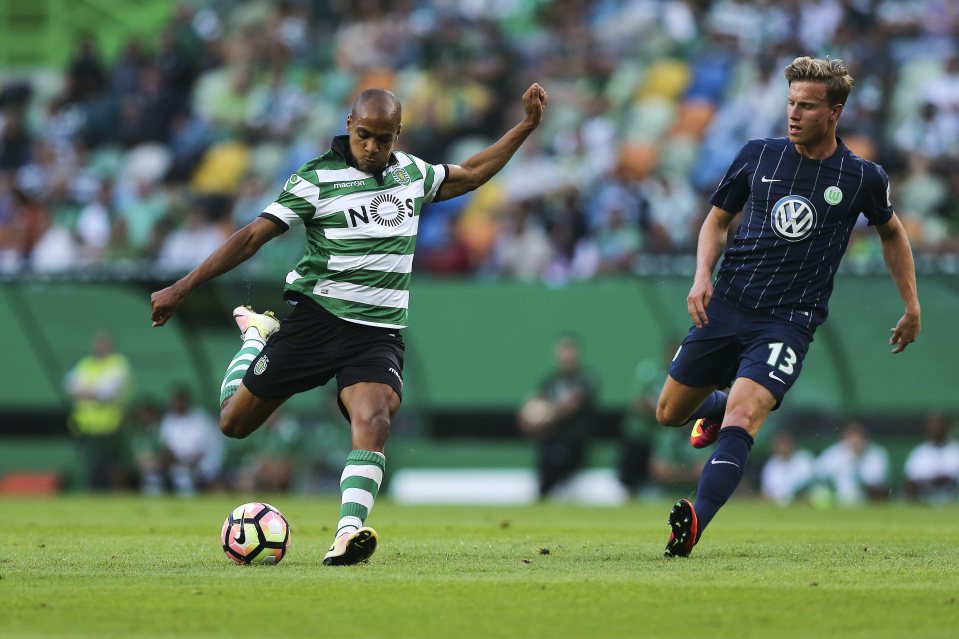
<point x="793" y="218"/>
<point x="346" y="185"/>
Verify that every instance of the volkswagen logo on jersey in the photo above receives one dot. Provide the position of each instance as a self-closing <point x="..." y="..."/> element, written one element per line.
<point x="793" y="218"/>
<point x="387" y="210"/>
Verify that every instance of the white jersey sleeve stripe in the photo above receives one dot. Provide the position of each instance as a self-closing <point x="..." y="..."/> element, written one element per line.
<point x="286" y="215"/>
<point x="388" y="297"/>
<point x="304" y="189"/>
<point x="385" y="262"/>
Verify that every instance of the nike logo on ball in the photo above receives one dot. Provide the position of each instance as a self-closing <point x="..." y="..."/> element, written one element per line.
<point x="240" y="537"/>
<point x="767" y="180"/>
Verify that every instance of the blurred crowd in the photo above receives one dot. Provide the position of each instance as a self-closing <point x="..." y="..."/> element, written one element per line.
<point x="856" y="469"/>
<point x="146" y="161"/>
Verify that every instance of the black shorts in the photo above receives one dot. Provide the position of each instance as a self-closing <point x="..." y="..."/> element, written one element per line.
<point x="313" y="345"/>
<point x="741" y="343"/>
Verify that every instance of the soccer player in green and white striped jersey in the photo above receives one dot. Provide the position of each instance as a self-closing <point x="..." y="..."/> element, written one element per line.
<point x="360" y="205"/>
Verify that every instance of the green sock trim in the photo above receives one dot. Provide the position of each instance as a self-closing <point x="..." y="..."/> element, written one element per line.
<point x="226" y="393"/>
<point x="353" y="509"/>
<point x="368" y="457"/>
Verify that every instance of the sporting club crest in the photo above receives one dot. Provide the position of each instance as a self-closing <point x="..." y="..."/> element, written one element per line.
<point x="401" y="176"/>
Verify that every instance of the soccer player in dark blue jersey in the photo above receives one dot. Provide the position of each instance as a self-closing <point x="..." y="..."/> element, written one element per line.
<point x="799" y="197"/>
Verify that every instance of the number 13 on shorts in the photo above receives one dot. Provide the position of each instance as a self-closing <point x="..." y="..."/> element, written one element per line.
<point x="781" y="357"/>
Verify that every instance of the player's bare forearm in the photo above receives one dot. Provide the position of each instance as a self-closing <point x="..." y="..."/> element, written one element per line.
<point x="710" y="246"/>
<point x="237" y="248"/>
<point x="712" y="241"/>
<point x="477" y="170"/>
<point x="897" y="253"/>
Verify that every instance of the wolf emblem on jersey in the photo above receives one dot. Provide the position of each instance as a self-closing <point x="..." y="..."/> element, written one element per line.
<point x="832" y="195"/>
<point x="793" y="218"/>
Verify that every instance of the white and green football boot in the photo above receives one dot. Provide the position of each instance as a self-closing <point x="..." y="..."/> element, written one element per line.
<point x="351" y="548"/>
<point x="265" y="323"/>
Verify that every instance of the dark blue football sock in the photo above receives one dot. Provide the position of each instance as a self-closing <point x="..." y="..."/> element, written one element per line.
<point x="714" y="407"/>
<point x="722" y="473"/>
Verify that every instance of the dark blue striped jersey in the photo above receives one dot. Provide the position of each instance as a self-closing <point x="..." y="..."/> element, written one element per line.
<point x="798" y="215"/>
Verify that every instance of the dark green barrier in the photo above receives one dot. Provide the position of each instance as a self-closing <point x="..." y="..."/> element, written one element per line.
<point x="482" y="344"/>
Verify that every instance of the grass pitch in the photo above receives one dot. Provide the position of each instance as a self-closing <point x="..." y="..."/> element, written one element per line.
<point x="136" y="567"/>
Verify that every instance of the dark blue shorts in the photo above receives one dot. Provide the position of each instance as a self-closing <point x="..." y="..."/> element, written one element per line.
<point x="741" y="343"/>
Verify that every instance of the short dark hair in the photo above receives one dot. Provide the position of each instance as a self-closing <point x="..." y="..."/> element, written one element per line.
<point x="377" y="100"/>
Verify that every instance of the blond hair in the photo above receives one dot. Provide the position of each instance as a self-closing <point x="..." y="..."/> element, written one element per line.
<point x="832" y="73"/>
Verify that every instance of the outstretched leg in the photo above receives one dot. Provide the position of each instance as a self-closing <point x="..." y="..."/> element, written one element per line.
<point x="241" y="412"/>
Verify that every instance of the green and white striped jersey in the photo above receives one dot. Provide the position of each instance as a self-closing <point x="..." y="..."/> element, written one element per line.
<point x="360" y="232"/>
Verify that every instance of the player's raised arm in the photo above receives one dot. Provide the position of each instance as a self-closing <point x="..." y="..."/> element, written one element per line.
<point x="712" y="242"/>
<point x="477" y="170"/>
<point x="237" y="248"/>
<point x="897" y="254"/>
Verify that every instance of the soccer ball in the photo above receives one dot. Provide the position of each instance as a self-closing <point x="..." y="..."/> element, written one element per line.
<point x="536" y="415"/>
<point x="255" y="533"/>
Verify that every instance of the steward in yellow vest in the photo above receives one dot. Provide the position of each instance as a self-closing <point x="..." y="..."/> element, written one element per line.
<point x="100" y="386"/>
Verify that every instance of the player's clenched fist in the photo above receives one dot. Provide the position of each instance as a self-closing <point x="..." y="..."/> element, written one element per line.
<point x="164" y="304"/>
<point x="534" y="101"/>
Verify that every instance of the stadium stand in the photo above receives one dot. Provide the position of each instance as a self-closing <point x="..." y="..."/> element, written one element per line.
<point x="145" y="144"/>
